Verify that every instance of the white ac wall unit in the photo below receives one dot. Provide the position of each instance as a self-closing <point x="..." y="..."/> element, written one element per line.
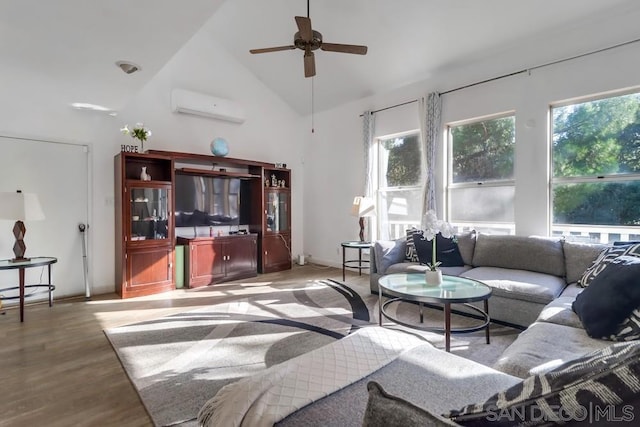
<point x="200" y="104"/>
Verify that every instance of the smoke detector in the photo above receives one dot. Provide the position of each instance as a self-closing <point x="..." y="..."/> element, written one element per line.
<point x="128" y="67"/>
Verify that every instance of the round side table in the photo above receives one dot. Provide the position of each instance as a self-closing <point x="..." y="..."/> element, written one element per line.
<point x="359" y="263"/>
<point x="21" y="265"/>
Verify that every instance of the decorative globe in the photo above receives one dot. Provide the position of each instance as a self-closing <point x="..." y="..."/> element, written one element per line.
<point x="219" y="147"/>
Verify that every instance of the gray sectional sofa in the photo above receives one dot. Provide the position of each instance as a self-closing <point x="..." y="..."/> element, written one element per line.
<point x="525" y="273"/>
<point x="534" y="285"/>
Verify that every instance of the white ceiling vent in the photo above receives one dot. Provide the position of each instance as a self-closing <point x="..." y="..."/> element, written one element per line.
<point x="200" y="104"/>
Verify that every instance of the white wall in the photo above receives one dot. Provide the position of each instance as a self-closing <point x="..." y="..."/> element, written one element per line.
<point x="47" y="121"/>
<point x="529" y="94"/>
<point x="327" y="165"/>
<point x="271" y="133"/>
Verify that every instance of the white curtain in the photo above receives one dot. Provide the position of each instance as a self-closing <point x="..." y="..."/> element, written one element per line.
<point x="383" y="197"/>
<point x="429" y="109"/>
<point x="368" y="132"/>
<point x="368" y="129"/>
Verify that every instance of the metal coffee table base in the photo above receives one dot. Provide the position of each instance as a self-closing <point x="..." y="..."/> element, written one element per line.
<point x="447" y="330"/>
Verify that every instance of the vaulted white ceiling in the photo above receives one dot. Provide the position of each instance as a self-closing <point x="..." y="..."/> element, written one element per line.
<point x="66" y="49"/>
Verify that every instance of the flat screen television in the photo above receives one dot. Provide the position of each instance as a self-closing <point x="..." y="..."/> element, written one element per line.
<point x="206" y="200"/>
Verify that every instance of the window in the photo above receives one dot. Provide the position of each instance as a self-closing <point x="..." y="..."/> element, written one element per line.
<point x="595" y="187"/>
<point x="481" y="186"/>
<point x="400" y="176"/>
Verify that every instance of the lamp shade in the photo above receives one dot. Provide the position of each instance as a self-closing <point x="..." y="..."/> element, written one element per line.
<point x="20" y="206"/>
<point x="363" y="207"/>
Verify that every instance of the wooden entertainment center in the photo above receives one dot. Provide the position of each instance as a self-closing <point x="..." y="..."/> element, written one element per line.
<point x="145" y="222"/>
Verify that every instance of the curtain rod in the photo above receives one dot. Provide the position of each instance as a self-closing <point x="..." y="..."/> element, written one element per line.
<point x="526" y="70"/>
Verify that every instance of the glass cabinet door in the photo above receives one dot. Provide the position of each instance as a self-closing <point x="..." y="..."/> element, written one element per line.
<point x="277" y="211"/>
<point x="149" y="212"/>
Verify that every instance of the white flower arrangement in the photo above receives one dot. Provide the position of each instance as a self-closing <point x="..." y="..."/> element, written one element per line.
<point x="138" y="132"/>
<point x="433" y="226"/>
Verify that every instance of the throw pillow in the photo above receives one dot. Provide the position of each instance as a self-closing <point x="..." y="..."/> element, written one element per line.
<point x="629" y="329"/>
<point x="447" y="252"/>
<point x="578" y="257"/>
<point x="411" y="254"/>
<point x="466" y="245"/>
<point x="387" y="253"/>
<point x="605" y="258"/>
<point x="610" y="298"/>
<point x="601" y="384"/>
<point x="385" y="410"/>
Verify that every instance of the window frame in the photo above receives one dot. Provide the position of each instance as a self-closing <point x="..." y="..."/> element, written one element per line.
<point x="376" y="178"/>
<point x="586" y="231"/>
<point x="450" y="185"/>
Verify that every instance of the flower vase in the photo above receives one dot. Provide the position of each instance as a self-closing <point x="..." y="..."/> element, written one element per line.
<point x="433" y="277"/>
<point x="143" y="174"/>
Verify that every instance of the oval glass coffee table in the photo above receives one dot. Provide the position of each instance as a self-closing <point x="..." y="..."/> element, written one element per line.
<point x="412" y="287"/>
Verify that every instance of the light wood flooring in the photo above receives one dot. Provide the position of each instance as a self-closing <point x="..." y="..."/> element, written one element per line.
<point x="58" y="368"/>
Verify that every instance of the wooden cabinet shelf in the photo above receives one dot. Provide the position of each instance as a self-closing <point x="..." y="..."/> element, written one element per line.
<point x="208" y="159"/>
<point x="205" y="172"/>
<point x="130" y="182"/>
<point x="276" y="225"/>
<point x="144" y="225"/>
<point x="145" y="221"/>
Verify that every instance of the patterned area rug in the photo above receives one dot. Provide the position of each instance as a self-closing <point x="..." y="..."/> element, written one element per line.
<point x="178" y="362"/>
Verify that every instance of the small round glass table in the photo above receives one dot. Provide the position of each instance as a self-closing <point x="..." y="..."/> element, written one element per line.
<point x="412" y="287"/>
<point x="360" y="263"/>
<point x="21" y="265"/>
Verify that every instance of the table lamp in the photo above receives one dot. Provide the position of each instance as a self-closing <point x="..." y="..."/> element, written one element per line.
<point x="20" y="207"/>
<point x="363" y="207"/>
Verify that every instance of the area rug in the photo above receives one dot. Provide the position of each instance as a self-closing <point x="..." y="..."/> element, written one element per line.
<point x="178" y="362"/>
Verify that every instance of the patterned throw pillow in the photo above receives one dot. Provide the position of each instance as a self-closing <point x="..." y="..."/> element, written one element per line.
<point x="629" y="329"/>
<point x="605" y="258"/>
<point x="603" y="383"/>
<point x="412" y="254"/>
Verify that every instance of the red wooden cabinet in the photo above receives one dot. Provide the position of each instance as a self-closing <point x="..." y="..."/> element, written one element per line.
<point x="276" y="239"/>
<point x="276" y="255"/>
<point x="143" y="225"/>
<point x="149" y="270"/>
<point x="210" y="260"/>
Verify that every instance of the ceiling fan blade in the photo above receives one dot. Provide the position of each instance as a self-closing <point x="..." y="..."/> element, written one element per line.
<point x="309" y="64"/>
<point x="304" y="26"/>
<point x="344" y="48"/>
<point x="272" y="49"/>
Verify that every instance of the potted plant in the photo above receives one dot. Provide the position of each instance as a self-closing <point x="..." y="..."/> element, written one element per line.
<point x="138" y="132"/>
<point x="432" y="227"/>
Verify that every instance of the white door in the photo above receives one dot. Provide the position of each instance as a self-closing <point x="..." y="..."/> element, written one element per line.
<point x="59" y="174"/>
